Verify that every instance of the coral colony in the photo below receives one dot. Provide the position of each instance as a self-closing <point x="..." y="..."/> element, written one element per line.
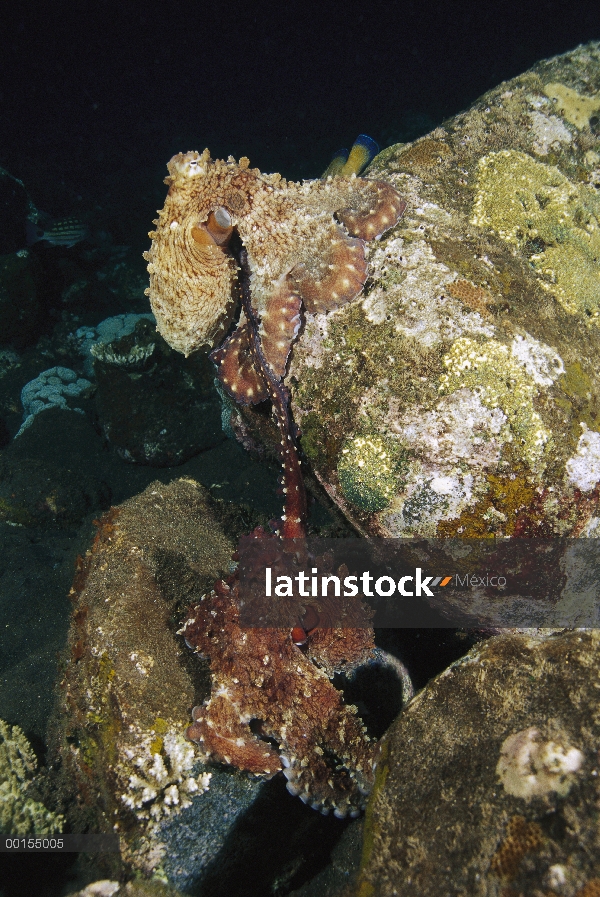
<point x="229" y="233"/>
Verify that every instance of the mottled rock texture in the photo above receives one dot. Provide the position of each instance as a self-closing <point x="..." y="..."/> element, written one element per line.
<point x="128" y="689"/>
<point x="488" y="783"/>
<point x="458" y="395"/>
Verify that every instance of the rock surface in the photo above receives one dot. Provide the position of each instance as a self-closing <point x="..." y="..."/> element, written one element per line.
<point x="129" y="683"/>
<point x="488" y="783"/>
<point x="128" y="687"/>
<point x="459" y="394"/>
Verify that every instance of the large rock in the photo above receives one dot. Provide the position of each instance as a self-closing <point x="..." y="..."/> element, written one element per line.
<point x="459" y="394"/>
<point x="128" y="687"/>
<point x="488" y="782"/>
<point x="121" y="759"/>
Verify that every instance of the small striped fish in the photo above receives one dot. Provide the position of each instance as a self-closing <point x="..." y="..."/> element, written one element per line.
<point x="62" y="232"/>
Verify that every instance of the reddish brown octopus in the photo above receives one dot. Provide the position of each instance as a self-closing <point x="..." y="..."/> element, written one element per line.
<point x="229" y="234"/>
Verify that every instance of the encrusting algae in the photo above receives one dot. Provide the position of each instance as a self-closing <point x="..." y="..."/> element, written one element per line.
<point x="535" y="207"/>
<point x="475" y="366"/>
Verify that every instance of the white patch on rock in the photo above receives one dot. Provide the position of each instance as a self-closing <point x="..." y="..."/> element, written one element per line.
<point x="529" y="767"/>
<point x="454" y="443"/>
<point x="312" y="347"/>
<point x="104" y="888"/>
<point x="444" y="485"/>
<point x="156" y="787"/>
<point x="540" y="361"/>
<point x="549" y="132"/>
<point x="583" y="469"/>
<point x="412" y="291"/>
<point x="459" y="429"/>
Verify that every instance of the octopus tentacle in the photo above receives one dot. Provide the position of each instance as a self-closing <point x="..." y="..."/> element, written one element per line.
<point x="220" y="730"/>
<point x="293" y="519"/>
<point x="236" y="370"/>
<point x="337" y="276"/>
<point x="371" y="212"/>
<point x="279" y="324"/>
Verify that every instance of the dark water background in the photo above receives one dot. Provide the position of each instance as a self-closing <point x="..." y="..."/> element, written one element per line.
<point x="95" y="97"/>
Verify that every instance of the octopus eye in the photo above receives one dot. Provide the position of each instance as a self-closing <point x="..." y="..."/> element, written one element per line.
<point x="222" y="217"/>
<point x="299" y="636"/>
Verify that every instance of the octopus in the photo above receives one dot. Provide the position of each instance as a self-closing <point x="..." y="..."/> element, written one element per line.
<point x="230" y="237"/>
<point x="272" y="706"/>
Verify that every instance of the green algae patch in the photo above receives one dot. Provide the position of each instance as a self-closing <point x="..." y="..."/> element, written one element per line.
<point x="580" y="404"/>
<point x="553" y="221"/>
<point x="492" y="372"/>
<point x="575" y="107"/>
<point x="368" y="471"/>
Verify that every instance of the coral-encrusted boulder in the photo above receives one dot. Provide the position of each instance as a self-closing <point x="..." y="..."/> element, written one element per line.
<point x="488" y="782"/>
<point x="118" y="744"/>
<point x="128" y="688"/>
<point x="458" y="395"/>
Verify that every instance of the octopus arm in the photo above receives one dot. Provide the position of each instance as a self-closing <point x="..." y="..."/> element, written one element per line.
<point x="332" y="767"/>
<point x="221" y="731"/>
<point x="279" y="324"/>
<point x="366" y="208"/>
<point x="334" y="273"/>
<point x="236" y="371"/>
